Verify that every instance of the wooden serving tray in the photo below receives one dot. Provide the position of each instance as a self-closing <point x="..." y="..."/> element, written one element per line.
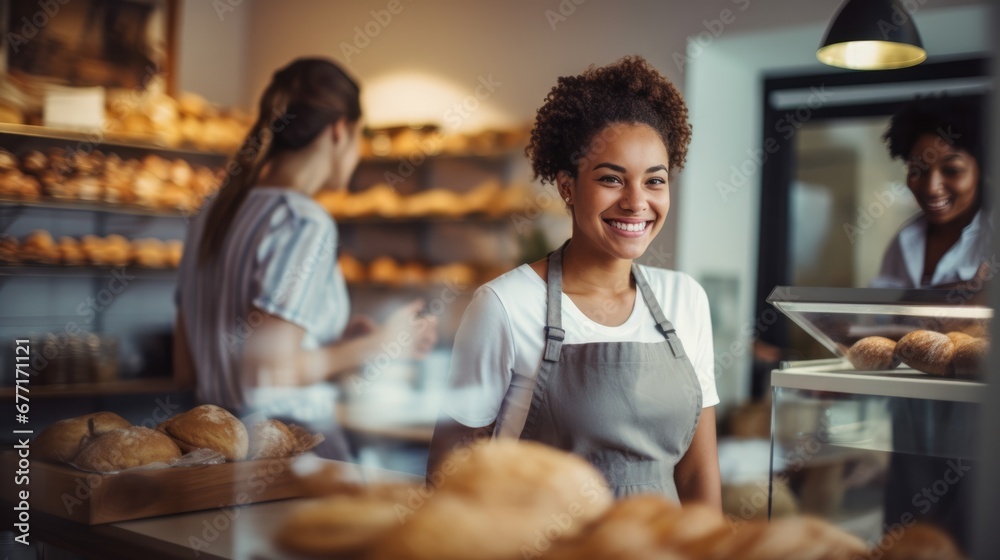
<point x="93" y="498"/>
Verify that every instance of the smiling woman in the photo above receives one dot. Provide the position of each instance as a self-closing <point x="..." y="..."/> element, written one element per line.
<point x="948" y="242"/>
<point x="586" y="350"/>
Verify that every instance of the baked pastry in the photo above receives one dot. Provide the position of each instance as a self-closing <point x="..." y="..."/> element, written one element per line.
<point x="967" y="359"/>
<point x="800" y="537"/>
<point x="873" y="353"/>
<point x="60" y="442"/>
<point x="412" y="274"/>
<point x="175" y="252"/>
<point x="208" y="427"/>
<point x="957" y="337"/>
<point x="338" y="526"/>
<point x="384" y="270"/>
<point x="496" y="497"/>
<point x="150" y="253"/>
<point x="10" y="249"/>
<point x="8" y="161"/>
<point x="271" y="439"/>
<point x="926" y="351"/>
<point x="351" y="268"/>
<point x="125" y="448"/>
<point x="35" y="162"/>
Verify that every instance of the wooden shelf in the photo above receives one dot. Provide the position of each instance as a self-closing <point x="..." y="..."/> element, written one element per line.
<point x="41" y="270"/>
<point x="49" y="203"/>
<point x="120" y="140"/>
<point x="120" y="387"/>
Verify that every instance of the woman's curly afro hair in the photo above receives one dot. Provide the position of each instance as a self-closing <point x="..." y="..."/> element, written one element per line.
<point x="629" y="91"/>
<point x="960" y="122"/>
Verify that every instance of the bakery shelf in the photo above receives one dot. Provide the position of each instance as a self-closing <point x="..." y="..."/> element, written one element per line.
<point x="120" y="387"/>
<point x="113" y="140"/>
<point x="49" y="203"/>
<point x="41" y="270"/>
<point x="478" y="218"/>
<point x="469" y="156"/>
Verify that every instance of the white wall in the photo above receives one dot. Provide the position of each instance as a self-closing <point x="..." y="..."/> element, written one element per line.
<point x="718" y="235"/>
<point x="211" y="50"/>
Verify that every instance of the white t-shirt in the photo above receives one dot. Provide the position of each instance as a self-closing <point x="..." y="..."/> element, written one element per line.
<point x="903" y="263"/>
<point x="498" y="347"/>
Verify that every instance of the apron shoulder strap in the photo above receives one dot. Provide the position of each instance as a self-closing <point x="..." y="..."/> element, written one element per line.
<point x="662" y="323"/>
<point x="554" y="333"/>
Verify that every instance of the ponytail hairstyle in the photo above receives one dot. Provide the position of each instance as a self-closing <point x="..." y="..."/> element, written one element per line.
<point x="302" y="99"/>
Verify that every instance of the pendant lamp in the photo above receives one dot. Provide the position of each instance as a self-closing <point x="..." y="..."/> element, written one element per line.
<point x="872" y="35"/>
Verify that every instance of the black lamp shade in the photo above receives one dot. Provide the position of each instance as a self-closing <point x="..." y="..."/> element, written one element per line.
<point x="872" y="35"/>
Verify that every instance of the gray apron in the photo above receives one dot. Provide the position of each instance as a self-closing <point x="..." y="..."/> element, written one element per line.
<point x="630" y="408"/>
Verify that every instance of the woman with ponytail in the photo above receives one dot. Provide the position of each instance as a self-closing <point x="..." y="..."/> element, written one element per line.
<point x="263" y="316"/>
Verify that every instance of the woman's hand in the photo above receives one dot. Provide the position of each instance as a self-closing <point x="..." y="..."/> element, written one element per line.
<point x="359" y="325"/>
<point x="409" y="331"/>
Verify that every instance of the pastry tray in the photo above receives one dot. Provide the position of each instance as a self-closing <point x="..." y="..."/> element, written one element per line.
<point x="839" y="317"/>
<point x="93" y="498"/>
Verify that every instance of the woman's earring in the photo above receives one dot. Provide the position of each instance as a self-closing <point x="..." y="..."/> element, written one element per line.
<point x="567" y="199"/>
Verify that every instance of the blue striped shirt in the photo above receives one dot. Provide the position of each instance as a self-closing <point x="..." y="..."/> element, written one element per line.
<point x="279" y="256"/>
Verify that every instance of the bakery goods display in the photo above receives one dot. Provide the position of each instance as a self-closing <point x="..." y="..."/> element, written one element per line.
<point x="490" y="498"/>
<point x="208" y="427"/>
<point x="153" y="182"/>
<point x="60" y="442"/>
<point x="383" y="201"/>
<point x="873" y="353"/>
<point x="113" y="250"/>
<point x="506" y="499"/>
<point x="125" y="448"/>
<point x="387" y="271"/>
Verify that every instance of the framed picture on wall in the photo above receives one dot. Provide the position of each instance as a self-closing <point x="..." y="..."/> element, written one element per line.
<point x="84" y="43"/>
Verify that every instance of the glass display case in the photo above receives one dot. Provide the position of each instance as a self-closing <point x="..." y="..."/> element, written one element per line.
<point x="877" y="451"/>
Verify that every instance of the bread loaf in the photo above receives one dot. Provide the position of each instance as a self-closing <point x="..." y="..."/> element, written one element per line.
<point x="125" y="448"/>
<point x="208" y="427"/>
<point x="337" y="526"/>
<point x="926" y="351"/>
<point x="60" y="442"/>
<point x="271" y="439"/>
<point x="495" y="499"/>
<point x="873" y="353"/>
<point x="968" y="357"/>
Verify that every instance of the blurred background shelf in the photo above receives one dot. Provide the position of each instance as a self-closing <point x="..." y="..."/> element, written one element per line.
<point x="49" y="203"/>
<point x="120" y="387"/>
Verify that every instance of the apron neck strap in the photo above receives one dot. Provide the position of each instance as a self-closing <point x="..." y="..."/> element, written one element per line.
<point x="665" y="326"/>
<point x="554" y="333"/>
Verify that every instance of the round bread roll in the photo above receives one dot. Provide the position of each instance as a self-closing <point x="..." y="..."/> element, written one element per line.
<point x="35" y="162"/>
<point x="495" y="500"/>
<point x="337" y="526"/>
<point x="271" y="439"/>
<point x="873" y="353"/>
<point x="799" y="538"/>
<point x="60" y="442"/>
<point x="209" y="427"/>
<point x="352" y="269"/>
<point x="968" y="357"/>
<point x="8" y="161"/>
<point x="926" y="351"/>
<point x="125" y="448"/>
<point x="957" y="337"/>
<point x="384" y="270"/>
